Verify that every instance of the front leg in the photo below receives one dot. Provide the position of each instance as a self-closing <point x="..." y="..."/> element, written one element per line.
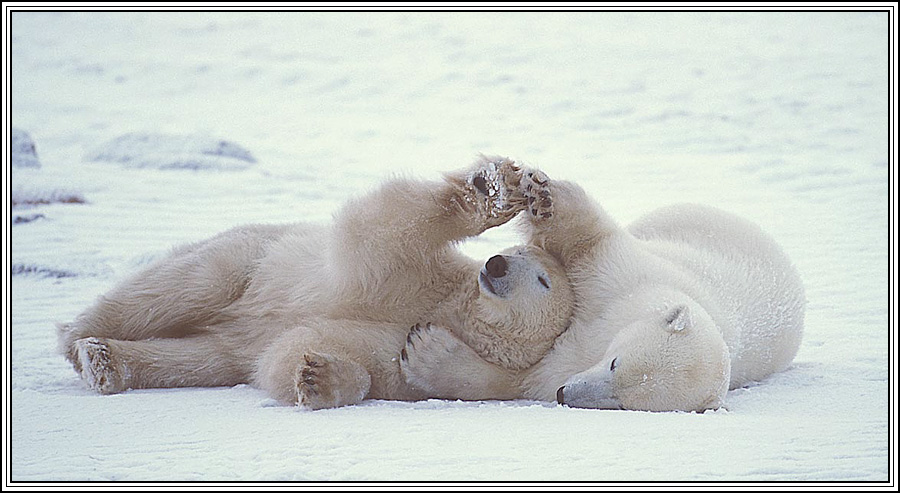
<point x="406" y="222"/>
<point x="442" y="366"/>
<point x="304" y="368"/>
<point x="562" y="219"/>
<point x="324" y="381"/>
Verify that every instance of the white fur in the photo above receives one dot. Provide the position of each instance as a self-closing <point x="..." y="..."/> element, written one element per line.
<point x="318" y="315"/>
<point x="689" y="301"/>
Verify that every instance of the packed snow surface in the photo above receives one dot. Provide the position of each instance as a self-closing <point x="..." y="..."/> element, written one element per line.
<point x="779" y="117"/>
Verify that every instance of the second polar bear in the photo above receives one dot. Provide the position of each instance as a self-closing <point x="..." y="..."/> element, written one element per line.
<point x="670" y="313"/>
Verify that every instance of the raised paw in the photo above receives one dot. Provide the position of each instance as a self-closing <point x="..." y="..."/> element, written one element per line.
<point x="97" y="366"/>
<point x="535" y="187"/>
<point x="430" y="352"/>
<point x="493" y="189"/>
<point x="324" y="381"/>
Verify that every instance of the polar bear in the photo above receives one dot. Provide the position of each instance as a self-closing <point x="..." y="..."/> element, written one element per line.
<point x="318" y="315"/>
<point x="670" y="313"/>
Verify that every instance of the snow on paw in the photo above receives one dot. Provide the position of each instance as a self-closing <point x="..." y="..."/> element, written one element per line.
<point x="429" y="351"/>
<point x="97" y="367"/>
<point x="492" y="187"/>
<point x="324" y="381"/>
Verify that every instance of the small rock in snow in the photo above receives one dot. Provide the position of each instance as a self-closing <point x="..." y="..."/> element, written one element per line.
<point x="24" y="154"/>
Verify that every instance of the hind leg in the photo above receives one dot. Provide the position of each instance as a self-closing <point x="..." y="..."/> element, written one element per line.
<point x="176" y="296"/>
<point x="109" y="366"/>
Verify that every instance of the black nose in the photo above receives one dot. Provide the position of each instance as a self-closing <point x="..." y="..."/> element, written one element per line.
<point x="559" y="395"/>
<point x="496" y="266"/>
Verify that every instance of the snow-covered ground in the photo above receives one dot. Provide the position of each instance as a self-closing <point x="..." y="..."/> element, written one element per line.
<point x="779" y="117"/>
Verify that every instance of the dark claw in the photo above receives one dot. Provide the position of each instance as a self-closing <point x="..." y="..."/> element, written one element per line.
<point x="547" y="214"/>
<point x="534" y="212"/>
<point x="546" y="202"/>
<point x="414" y="330"/>
<point x="403" y="355"/>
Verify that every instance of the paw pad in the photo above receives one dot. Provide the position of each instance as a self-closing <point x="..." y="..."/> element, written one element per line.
<point x="493" y="184"/>
<point x="480" y="183"/>
<point x="96" y="366"/>
<point x="535" y="187"/>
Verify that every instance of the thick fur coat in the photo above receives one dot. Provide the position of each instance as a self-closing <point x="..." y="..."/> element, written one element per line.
<point x="319" y="315"/>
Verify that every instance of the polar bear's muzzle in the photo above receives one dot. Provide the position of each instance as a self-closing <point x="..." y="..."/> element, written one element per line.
<point x="521" y="278"/>
<point x="588" y="391"/>
<point x="492" y="277"/>
<point x="496" y="266"/>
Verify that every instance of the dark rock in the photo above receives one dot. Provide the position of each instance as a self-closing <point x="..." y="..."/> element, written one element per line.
<point x="24" y="154"/>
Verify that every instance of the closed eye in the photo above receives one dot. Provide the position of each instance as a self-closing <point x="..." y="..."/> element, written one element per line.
<point x="544" y="282"/>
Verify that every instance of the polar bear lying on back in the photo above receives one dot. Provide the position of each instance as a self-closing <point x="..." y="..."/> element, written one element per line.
<point x="670" y="313"/>
<point x="318" y="315"/>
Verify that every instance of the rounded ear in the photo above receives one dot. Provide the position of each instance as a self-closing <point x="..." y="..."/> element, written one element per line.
<point x="679" y="319"/>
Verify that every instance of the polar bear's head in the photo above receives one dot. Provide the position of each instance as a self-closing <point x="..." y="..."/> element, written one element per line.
<point x="525" y="300"/>
<point x="528" y="285"/>
<point x="673" y="359"/>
